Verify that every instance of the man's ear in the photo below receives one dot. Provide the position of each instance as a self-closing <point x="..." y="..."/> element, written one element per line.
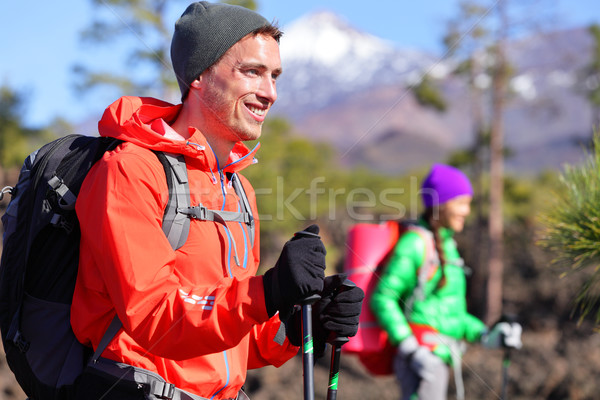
<point x="196" y="83"/>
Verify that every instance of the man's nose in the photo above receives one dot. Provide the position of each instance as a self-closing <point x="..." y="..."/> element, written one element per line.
<point x="268" y="89"/>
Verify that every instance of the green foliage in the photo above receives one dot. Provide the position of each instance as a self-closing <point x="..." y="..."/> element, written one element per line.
<point x="429" y="95"/>
<point x="14" y="137"/>
<point x="465" y="32"/>
<point x="462" y="158"/>
<point x="16" y="140"/>
<point x="520" y="198"/>
<point x="143" y="25"/>
<point x="86" y="79"/>
<point x="572" y="227"/>
<point x="479" y="152"/>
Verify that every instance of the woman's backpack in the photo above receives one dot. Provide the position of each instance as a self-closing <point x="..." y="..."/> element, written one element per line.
<point x="368" y="249"/>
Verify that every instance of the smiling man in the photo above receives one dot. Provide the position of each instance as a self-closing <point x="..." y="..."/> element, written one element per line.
<point x="191" y="318"/>
<point x="231" y="99"/>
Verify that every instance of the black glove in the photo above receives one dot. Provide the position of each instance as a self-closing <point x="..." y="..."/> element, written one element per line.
<point x="297" y="274"/>
<point x="339" y="307"/>
<point x="334" y="315"/>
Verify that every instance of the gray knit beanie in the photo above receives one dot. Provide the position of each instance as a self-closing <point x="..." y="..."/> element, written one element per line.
<point x="203" y="33"/>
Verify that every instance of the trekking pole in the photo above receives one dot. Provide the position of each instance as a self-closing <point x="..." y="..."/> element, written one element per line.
<point x="307" y="337"/>
<point x="334" y="369"/>
<point x="505" y="365"/>
<point x="336" y="351"/>
<point x="506" y="357"/>
<point x="308" y="356"/>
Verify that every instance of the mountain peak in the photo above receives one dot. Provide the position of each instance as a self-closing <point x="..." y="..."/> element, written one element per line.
<point x="325" y="16"/>
<point x="325" y="59"/>
<point x="326" y="39"/>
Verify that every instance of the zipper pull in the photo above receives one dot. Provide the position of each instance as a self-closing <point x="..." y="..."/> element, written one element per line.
<point x="196" y="145"/>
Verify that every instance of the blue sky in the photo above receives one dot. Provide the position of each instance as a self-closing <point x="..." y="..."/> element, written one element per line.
<point x="39" y="41"/>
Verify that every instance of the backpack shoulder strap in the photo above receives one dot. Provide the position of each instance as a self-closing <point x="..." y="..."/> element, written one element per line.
<point x="112" y="330"/>
<point x="430" y="262"/>
<point x="176" y="225"/>
<point x="239" y="190"/>
<point x="430" y="258"/>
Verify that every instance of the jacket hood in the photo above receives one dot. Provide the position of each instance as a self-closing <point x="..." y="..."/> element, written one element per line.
<point x="138" y="120"/>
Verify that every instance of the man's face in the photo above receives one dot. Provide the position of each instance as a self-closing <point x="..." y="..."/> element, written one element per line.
<point x="238" y="91"/>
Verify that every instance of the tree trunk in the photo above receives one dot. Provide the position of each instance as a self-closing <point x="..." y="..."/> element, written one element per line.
<point x="496" y="225"/>
<point x="477" y="286"/>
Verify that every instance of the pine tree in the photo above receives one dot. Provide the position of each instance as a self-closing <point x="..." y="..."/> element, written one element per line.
<point x="572" y="228"/>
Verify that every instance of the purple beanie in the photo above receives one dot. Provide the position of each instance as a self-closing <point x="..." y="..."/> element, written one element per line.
<point x="444" y="183"/>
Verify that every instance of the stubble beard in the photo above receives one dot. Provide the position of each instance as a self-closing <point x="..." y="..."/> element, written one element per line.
<point x="231" y="120"/>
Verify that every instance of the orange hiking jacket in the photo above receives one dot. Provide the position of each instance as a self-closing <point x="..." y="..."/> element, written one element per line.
<point x="191" y="315"/>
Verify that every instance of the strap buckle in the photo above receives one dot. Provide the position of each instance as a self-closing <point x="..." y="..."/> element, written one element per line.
<point x="66" y="198"/>
<point x="198" y="212"/>
<point x="20" y="342"/>
<point x="59" y="221"/>
<point x="162" y="390"/>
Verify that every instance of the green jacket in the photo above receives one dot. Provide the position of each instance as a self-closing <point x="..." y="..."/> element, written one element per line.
<point x="443" y="309"/>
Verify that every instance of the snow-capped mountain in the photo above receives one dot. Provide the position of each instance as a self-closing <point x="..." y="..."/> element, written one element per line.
<point x="325" y="58"/>
<point x="350" y="88"/>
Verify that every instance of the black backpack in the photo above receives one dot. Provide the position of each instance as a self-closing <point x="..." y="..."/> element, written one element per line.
<point x="40" y="257"/>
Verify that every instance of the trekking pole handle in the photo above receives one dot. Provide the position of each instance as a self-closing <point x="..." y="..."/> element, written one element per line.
<point x="306" y="234"/>
<point x="310" y="300"/>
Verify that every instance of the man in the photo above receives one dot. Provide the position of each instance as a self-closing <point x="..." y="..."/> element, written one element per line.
<point x="196" y="318"/>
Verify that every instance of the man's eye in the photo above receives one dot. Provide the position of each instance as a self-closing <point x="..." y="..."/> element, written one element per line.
<point x="252" y="72"/>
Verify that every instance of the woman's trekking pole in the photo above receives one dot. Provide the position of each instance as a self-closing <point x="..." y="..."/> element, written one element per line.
<point x="505" y="365"/>
<point x="307" y="338"/>
<point x="336" y="351"/>
<point x="506" y="358"/>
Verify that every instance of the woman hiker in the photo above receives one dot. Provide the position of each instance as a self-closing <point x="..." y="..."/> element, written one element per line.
<point x="420" y="300"/>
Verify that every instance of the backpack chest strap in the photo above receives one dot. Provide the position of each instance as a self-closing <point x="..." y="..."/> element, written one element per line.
<point x="204" y="214"/>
